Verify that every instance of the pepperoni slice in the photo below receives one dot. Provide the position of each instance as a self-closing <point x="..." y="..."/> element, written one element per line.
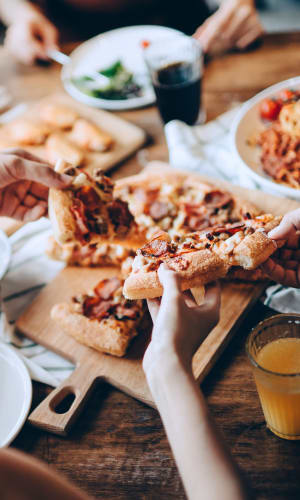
<point x="106" y="288"/>
<point x="217" y="199"/>
<point x="158" y="210"/>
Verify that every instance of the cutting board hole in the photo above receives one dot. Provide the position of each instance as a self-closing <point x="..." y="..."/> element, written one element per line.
<point x="63" y="405"/>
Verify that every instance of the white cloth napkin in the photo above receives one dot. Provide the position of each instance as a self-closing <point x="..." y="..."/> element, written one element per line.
<point x="29" y="270"/>
<point x="207" y="149"/>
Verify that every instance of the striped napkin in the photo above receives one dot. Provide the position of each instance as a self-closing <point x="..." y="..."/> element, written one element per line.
<point x="29" y="270"/>
<point x="207" y="149"/>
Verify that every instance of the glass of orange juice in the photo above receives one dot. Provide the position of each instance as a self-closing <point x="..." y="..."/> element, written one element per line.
<point x="273" y="347"/>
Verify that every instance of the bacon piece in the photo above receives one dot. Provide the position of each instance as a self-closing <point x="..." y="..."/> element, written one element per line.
<point x="106" y="288"/>
<point x="89" y="197"/>
<point x="217" y="199"/>
<point x="145" y="195"/>
<point x="78" y="211"/>
<point x="230" y="228"/>
<point x="155" y="248"/>
<point x="196" y="223"/>
<point x="158" y="210"/>
<point x="125" y="311"/>
<point x="96" y="308"/>
<point x="119" y="214"/>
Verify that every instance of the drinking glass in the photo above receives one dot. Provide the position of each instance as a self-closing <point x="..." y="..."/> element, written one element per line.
<point x="176" y="67"/>
<point x="273" y="348"/>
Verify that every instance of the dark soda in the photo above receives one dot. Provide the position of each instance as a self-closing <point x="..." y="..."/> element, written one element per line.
<point x="178" y="92"/>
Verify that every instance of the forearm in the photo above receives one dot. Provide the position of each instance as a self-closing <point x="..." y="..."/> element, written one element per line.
<point x="8" y="9"/>
<point x="205" y="465"/>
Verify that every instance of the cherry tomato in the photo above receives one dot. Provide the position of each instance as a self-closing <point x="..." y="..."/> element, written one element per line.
<point x="269" y="109"/>
<point x="286" y="95"/>
<point x="145" y="44"/>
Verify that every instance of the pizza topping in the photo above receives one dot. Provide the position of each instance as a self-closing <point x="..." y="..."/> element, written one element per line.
<point x="217" y="199"/>
<point x="78" y="211"/>
<point x="106" y="288"/>
<point x="178" y="263"/>
<point x="89" y="197"/>
<point x="158" y="210"/>
<point x="120" y="215"/>
<point x="107" y="300"/>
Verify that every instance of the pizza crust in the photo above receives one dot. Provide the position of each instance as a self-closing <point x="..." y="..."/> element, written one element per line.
<point x="60" y="215"/>
<point x="203" y="267"/>
<point x="110" y="335"/>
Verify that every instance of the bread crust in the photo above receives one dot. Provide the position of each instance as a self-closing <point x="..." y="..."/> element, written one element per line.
<point x="202" y="267"/>
<point x="62" y="220"/>
<point x="256" y="248"/>
<point x="110" y="336"/>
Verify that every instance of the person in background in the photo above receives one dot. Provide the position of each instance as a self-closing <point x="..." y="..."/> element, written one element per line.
<point x="33" y="30"/>
<point x="179" y="327"/>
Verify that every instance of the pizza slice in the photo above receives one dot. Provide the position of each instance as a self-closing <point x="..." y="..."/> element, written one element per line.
<point x="202" y="256"/>
<point x="178" y="202"/>
<point x="90" y="255"/>
<point x="87" y="212"/>
<point x="103" y="319"/>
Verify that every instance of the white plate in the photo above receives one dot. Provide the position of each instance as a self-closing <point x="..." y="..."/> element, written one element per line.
<point x="15" y="394"/>
<point x="5" y="253"/>
<point x="246" y="123"/>
<point x="103" y="50"/>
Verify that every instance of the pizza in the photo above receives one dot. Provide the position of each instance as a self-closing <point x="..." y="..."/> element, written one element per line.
<point x="87" y="211"/>
<point x="179" y="203"/>
<point x="90" y="255"/>
<point x="102" y="319"/>
<point x="201" y="256"/>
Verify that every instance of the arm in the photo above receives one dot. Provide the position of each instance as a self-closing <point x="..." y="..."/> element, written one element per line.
<point x="235" y="24"/>
<point x="205" y="465"/>
<point x="24" y="184"/>
<point x="284" y="265"/>
<point x="24" y="478"/>
<point x="29" y="35"/>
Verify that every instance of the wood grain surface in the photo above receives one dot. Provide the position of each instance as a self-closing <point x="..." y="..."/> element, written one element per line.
<point x="118" y="448"/>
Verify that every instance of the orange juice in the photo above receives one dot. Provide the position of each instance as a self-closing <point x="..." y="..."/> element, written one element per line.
<point x="279" y="391"/>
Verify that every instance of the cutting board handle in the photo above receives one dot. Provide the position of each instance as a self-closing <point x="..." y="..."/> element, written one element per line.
<point x="58" y="411"/>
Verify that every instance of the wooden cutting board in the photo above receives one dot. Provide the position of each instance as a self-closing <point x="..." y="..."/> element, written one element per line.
<point x="127" y="136"/>
<point x="126" y="373"/>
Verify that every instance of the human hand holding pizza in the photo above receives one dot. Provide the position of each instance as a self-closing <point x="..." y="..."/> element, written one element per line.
<point x="284" y="266"/>
<point x="180" y="326"/>
<point x="24" y="184"/>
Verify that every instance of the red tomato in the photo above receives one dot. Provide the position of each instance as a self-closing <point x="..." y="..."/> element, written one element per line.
<point x="145" y="44"/>
<point x="269" y="109"/>
<point x="286" y="95"/>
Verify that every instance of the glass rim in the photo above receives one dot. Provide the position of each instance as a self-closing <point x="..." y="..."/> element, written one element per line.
<point x="257" y="327"/>
<point x="172" y="38"/>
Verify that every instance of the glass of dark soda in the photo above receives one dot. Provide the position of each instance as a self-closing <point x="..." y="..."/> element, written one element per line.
<point x="176" y="67"/>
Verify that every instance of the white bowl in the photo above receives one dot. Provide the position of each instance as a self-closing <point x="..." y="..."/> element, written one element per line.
<point x="246" y="123"/>
<point x="103" y="50"/>
<point x="15" y="394"/>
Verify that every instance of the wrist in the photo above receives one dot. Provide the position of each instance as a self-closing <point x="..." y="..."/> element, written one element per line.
<point x="163" y="363"/>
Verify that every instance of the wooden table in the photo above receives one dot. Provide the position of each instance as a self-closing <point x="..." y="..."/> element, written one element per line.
<point x="118" y="448"/>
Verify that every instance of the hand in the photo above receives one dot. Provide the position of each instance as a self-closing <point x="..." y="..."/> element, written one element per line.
<point x="179" y="324"/>
<point x="24" y="184"/>
<point x="284" y="266"/>
<point x="235" y="24"/>
<point x="30" y="35"/>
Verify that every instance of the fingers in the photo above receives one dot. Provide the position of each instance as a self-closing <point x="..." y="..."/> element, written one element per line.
<point x="212" y="297"/>
<point x="20" y="169"/>
<point x="278" y="273"/>
<point x="290" y="224"/>
<point x="169" y="280"/>
<point x="153" y="306"/>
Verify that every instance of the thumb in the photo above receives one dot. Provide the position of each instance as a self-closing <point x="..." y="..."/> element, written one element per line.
<point x="289" y="224"/>
<point x="170" y="282"/>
